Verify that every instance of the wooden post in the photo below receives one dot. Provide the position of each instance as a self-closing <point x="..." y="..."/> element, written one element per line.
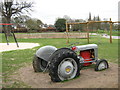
<point x="67" y="33"/>
<point x="111" y="31"/>
<point x="87" y="31"/>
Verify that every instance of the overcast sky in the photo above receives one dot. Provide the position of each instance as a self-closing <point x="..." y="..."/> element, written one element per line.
<point x="49" y="10"/>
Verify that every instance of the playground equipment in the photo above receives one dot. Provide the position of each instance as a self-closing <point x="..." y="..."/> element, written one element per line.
<point x="6" y="36"/>
<point x="87" y="24"/>
<point x="66" y="63"/>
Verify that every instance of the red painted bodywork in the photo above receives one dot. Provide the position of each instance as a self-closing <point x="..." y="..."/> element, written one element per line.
<point x="86" y="55"/>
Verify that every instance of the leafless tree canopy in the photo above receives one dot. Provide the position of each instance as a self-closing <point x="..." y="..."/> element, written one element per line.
<point x="8" y="8"/>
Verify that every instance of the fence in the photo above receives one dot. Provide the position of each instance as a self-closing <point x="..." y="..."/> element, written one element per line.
<point x="51" y="35"/>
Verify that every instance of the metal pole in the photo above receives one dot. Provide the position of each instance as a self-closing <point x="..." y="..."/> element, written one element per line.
<point x="15" y="38"/>
<point x="6" y="37"/>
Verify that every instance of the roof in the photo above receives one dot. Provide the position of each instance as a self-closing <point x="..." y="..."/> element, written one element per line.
<point x="50" y="28"/>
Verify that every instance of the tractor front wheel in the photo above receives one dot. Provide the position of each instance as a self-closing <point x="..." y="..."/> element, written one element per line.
<point x="101" y="65"/>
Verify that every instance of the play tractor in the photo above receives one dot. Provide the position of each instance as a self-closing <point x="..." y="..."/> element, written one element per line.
<point x="66" y="63"/>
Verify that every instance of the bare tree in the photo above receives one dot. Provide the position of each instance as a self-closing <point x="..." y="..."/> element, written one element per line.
<point x="12" y="7"/>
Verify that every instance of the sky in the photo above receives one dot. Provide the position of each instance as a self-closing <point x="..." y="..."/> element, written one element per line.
<point x="49" y="10"/>
<point x="119" y="11"/>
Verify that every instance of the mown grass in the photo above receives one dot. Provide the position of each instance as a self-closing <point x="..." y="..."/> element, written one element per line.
<point x="114" y="32"/>
<point x="13" y="60"/>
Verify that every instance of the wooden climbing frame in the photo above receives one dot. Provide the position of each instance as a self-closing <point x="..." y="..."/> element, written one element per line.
<point x="87" y="24"/>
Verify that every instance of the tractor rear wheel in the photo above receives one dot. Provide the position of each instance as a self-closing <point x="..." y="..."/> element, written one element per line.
<point x="101" y="65"/>
<point x="64" y="65"/>
<point x="39" y="64"/>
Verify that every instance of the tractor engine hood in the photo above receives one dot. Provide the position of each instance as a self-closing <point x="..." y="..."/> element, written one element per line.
<point x="86" y="47"/>
<point x="45" y="52"/>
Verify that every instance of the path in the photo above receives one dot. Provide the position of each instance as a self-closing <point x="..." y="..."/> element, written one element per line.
<point x="106" y="36"/>
<point x="13" y="46"/>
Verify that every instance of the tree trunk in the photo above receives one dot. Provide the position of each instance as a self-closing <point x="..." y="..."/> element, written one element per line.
<point x="8" y="27"/>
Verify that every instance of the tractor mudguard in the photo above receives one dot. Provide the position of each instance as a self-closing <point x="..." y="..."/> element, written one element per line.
<point x="45" y="52"/>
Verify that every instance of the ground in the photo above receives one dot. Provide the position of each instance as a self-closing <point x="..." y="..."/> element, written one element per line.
<point x="88" y="78"/>
<point x="17" y="75"/>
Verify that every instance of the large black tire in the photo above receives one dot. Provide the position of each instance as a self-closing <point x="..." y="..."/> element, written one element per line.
<point x="39" y="64"/>
<point x="104" y="66"/>
<point x="57" y="58"/>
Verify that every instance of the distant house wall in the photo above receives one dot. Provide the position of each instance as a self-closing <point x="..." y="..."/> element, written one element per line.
<point x="20" y="30"/>
<point x="49" y="29"/>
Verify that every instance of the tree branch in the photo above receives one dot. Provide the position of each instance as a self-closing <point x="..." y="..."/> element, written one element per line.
<point x="23" y="7"/>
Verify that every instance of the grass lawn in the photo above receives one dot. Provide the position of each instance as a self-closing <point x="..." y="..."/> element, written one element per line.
<point x="114" y="32"/>
<point x="13" y="60"/>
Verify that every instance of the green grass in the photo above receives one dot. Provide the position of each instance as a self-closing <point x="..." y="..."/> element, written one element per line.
<point x="13" y="60"/>
<point x="114" y="33"/>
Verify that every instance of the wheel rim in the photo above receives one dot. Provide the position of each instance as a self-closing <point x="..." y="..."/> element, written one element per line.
<point x="102" y="66"/>
<point x="67" y="69"/>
